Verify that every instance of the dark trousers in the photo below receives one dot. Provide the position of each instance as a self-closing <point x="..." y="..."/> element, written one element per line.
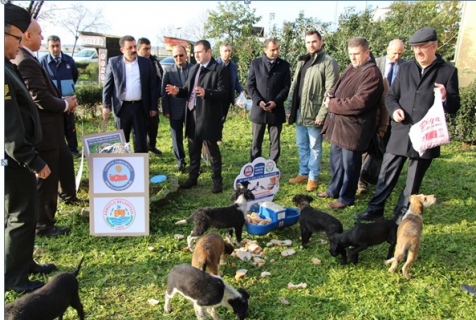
<point x="67" y="179"/>
<point x="274" y="133"/>
<point x="345" y="172"/>
<point x="391" y="168"/>
<point x="21" y="210"/>
<point x="132" y="116"/>
<point x="152" y="130"/>
<point x="176" y="132"/>
<point x="70" y="131"/>
<point x="195" y="152"/>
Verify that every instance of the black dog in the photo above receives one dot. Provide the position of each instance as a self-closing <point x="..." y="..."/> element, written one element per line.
<point x="362" y="236"/>
<point x="50" y="301"/>
<point x="205" y="291"/>
<point x="232" y="217"/>
<point x="312" y="220"/>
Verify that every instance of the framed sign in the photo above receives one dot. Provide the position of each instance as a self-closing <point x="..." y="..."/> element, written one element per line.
<point x="94" y="142"/>
<point x="119" y="194"/>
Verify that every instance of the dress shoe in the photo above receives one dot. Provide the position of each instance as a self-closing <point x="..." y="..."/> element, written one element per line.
<point x="52" y="232"/>
<point x="36" y="268"/>
<point x="368" y="216"/>
<point x="76" y="202"/>
<point x="28" y="287"/>
<point x="188" y="184"/>
<point x="155" y="150"/>
<point x="323" y="195"/>
<point x="311" y="185"/>
<point x="217" y="188"/>
<point x="298" y="179"/>
<point x="471" y="290"/>
<point x="337" y="205"/>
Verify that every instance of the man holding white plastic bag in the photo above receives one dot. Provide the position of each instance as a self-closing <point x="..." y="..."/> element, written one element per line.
<point x="408" y="101"/>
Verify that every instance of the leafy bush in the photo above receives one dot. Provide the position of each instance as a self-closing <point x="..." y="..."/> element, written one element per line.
<point x="89" y="97"/>
<point x="461" y="126"/>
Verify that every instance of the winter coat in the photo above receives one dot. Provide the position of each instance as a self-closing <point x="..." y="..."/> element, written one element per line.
<point x="353" y="107"/>
<point x="321" y="75"/>
<point x="414" y="93"/>
<point x="64" y="75"/>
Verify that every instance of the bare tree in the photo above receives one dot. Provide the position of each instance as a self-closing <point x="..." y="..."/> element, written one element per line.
<point x="195" y="30"/>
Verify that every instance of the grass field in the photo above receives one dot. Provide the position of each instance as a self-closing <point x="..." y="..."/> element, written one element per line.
<point x="120" y="274"/>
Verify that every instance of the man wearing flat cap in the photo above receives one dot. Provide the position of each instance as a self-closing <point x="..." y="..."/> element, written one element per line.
<point x="407" y="102"/>
<point x="22" y="136"/>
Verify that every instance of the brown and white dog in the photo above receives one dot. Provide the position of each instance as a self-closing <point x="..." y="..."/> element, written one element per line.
<point x="208" y="250"/>
<point x="205" y="291"/>
<point x="409" y="233"/>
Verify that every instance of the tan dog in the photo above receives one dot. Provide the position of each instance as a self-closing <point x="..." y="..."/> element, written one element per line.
<point x="208" y="251"/>
<point x="409" y="233"/>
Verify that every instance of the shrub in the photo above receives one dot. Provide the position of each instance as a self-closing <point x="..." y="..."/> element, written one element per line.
<point x="89" y="97"/>
<point x="461" y="126"/>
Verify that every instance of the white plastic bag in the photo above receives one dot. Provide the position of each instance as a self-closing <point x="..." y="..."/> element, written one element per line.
<point x="431" y="131"/>
<point x="240" y="101"/>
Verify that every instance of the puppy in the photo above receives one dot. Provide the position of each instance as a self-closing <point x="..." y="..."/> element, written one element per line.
<point x="312" y="220"/>
<point x="409" y="233"/>
<point x="208" y="251"/>
<point x="232" y="217"/>
<point x="50" y="301"/>
<point x="205" y="291"/>
<point x="362" y="236"/>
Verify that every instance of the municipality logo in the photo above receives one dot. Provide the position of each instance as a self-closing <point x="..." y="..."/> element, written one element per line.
<point x="119" y="214"/>
<point x="118" y="175"/>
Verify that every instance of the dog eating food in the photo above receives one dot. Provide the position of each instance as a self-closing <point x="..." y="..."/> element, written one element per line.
<point x="50" y="301"/>
<point x="231" y="217"/>
<point x="208" y="250"/>
<point x="409" y="233"/>
<point x="312" y="220"/>
<point x="205" y="291"/>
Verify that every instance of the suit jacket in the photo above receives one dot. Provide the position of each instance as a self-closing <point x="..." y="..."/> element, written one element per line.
<point x="173" y="105"/>
<point x="46" y="96"/>
<point x="380" y="62"/>
<point x="210" y="109"/>
<point x="268" y="84"/>
<point x="114" y="89"/>
<point x="235" y="85"/>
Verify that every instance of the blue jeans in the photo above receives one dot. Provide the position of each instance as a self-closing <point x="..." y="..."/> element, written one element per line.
<point x="309" y="143"/>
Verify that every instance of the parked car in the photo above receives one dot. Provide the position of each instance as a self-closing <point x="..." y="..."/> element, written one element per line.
<point x="86" y="55"/>
<point x="167" y="61"/>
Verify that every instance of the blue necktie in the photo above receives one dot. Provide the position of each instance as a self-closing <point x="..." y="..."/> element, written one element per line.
<point x="391" y="72"/>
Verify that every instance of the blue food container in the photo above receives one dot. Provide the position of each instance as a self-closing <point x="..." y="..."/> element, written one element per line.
<point x="280" y="218"/>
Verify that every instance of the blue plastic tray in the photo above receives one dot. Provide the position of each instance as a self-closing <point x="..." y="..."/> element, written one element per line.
<point x="291" y="218"/>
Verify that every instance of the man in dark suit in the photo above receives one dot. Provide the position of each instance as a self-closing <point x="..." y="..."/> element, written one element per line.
<point x="207" y="92"/>
<point x="23" y="135"/>
<point x="390" y="63"/>
<point x="132" y="102"/>
<point x="269" y="80"/>
<point x="173" y="107"/>
<point x="53" y="149"/>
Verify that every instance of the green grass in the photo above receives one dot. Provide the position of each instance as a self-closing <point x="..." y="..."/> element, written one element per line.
<point x="120" y="274"/>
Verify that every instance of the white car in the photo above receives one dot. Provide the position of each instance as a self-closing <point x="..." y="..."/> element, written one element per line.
<point x="86" y="55"/>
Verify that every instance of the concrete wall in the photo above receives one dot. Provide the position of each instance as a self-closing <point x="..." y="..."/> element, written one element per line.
<point x="465" y="56"/>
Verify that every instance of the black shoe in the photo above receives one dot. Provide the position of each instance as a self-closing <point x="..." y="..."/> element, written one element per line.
<point x="181" y="167"/>
<point x="469" y="289"/>
<point x="77" y="202"/>
<point x="28" y="287"/>
<point x="188" y="184"/>
<point x="155" y="150"/>
<point x="368" y="216"/>
<point x="76" y="154"/>
<point x="217" y="188"/>
<point x="52" y="232"/>
<point x="36" y="268"/>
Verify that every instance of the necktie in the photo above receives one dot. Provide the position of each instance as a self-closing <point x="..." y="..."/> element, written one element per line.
<point x="58" y="60"/>
<point x="182" y="76"/>
<point x="390" y="73"/>
<point x="193" y="96"/>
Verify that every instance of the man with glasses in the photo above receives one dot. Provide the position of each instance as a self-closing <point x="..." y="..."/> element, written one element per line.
<point x="408" y="101"/>
<point x="174" y="107"/>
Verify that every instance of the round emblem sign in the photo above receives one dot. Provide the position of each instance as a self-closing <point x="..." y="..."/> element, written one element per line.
<point x="119" y="214"/>
<point x="118" y="175"/>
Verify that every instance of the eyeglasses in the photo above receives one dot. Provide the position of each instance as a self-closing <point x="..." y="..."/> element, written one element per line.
<point x="422" y="47"/>
<point x="14" y="36"/>
<point x="178" y="55"/>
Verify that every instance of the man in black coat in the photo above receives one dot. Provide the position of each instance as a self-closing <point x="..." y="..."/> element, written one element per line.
<point x="207" y="94"/>
<point x="269" y="80"/>
<point x="408" y="100"/>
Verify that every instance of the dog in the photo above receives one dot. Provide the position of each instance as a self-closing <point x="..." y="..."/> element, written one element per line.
<point x="50" y="301"/>
<point x="231" y="217"/>
<point x="208" y="250"/>
<point x="409" y="233"/>
<point x="312" y="220"/>
<point x="205" y="291"/>
<point x="362" y="236"/>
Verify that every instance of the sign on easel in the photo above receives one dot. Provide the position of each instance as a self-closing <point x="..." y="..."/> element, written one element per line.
<point x="119" y="194"/>
<point x="261" y="177"/>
